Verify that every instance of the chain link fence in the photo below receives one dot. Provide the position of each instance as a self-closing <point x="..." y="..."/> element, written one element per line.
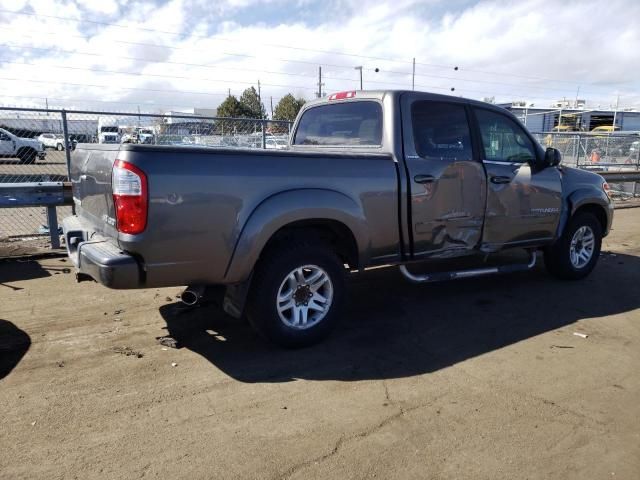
<point x="600" y="152"/>
<point x="607" y="151"/>
<point x="35" y="146"/>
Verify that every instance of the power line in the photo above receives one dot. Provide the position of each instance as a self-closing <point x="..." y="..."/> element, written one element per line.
<point x="116" y="72"/>
<point x="346" y="67"/>
<point x="86" y="100"/>
<point x="217" y="38"/>
<point x="327" y="52"/>
<point x="114" y="86"/>
<point x="74" y="52"/>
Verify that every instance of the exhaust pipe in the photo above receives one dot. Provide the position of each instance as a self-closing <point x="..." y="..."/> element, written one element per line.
<point x="192" y="295"/>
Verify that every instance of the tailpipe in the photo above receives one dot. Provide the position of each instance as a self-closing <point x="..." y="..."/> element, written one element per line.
<point x="192" y="295"/>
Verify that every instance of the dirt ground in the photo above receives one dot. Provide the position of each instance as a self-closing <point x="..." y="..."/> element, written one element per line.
<point x="475" y="379"/>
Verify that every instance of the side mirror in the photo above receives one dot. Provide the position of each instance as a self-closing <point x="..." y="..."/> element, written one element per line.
<point x="552" y="157"/>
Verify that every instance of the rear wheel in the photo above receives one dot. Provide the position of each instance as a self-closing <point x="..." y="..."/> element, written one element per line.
<point x="576" y="252"/>
<point x="296" y="294"/>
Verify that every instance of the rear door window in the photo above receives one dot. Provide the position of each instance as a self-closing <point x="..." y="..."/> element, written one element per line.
<point x="441" y="131"/>
<point x="349" y="123"/>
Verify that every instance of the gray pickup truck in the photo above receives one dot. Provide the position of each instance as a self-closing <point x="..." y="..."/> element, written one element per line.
<point x="370" y="178"/>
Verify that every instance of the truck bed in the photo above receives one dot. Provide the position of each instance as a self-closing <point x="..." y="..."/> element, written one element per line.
<point x="202" y="202"/>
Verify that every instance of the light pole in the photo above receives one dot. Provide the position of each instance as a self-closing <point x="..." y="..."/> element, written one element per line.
<point x="359" y="68"/>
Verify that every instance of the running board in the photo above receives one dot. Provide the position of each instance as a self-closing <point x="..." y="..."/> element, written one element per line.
<point x="476" y="272"/>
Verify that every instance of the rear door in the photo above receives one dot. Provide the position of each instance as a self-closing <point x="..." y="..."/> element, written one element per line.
<point x="523" y="204"/>
<point x="447" y="183"/>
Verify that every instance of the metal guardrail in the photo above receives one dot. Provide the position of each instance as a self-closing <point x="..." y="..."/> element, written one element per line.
<point x="38" y="194"/>
<point x="620" y="176"/>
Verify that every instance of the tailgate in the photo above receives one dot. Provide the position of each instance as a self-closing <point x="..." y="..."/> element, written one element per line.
<point x="90" y="175"/>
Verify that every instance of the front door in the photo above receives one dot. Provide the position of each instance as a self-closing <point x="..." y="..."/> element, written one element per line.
<point x="447" y="182"/>
<point x="6" y="144"/>
<point x="523" y="204"/>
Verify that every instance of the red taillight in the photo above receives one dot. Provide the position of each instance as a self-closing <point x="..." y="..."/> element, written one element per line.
<point x="130" y="197"/>
<point x="342" y="95"/>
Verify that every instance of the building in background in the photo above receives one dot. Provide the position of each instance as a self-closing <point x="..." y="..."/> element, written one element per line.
<point x="573" y="116"/>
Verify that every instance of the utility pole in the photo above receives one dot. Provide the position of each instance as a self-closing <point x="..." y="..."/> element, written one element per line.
<point x="615" y="113"/>
<point x="46" y="101"/>
<point x="259" y="97"/>
<point x="413" y="75"/>
<point x="359" y="68"/>
<point x="320" y="84"/>
<point x="229" y="92"/>
<point x="271" y="98"/>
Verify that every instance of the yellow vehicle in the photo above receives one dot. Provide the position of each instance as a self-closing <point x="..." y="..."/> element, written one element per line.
<point x="606" y="129"/>
<point x="563" y="128"/>
<point x="561" y="142"/>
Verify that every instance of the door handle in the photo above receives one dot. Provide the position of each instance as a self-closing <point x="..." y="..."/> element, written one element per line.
<point x="500" y="180"/>
<point x="424" y="178"/>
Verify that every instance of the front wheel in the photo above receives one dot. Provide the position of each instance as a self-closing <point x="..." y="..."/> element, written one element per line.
<point x="296" y="294"/>
<point x="59" y="147"/>
<point x="576" y="252"/>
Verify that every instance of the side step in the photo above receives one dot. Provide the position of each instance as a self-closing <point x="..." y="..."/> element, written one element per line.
<point x="476" y="272"/>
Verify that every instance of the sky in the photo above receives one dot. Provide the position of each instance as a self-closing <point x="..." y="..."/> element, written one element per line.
<point x="179" y="54"/>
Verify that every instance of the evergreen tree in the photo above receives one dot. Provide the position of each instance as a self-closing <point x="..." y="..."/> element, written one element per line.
<point x="288" y="108"/>
<point x="251" y="104"/>
<point x="231" y="107"/>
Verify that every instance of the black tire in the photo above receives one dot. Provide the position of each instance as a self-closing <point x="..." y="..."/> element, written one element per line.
<point x="557" y="258"/>
<point x="27" y="157"/>
<point x="59" y="147"/>
<point x="269" y="276"/>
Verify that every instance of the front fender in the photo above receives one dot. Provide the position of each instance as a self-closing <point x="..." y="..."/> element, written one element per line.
<point x="284" y="208"/>
<point x="586" y="195"/>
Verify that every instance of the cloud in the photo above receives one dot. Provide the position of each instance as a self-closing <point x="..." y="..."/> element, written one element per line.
<point x="179" y="54"/>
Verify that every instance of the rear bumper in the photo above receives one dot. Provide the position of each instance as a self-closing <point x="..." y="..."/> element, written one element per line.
<point x="100" y="258"/>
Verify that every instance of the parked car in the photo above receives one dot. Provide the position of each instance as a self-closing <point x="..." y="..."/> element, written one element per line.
<point x="25" y="149"/>
<point x="560" y="141"/>
<point x="276" y="144"/>
<point x="606" y="129"/>
<point x="52" y="140"/>
<point x="370" y="178"/>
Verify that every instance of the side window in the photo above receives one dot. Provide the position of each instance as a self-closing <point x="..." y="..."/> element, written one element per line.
<point x="441" y="131"/>
<point x="4" y="137"/>
<point x="502" y="139"/>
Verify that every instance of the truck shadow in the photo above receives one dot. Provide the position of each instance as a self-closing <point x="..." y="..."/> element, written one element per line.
<point x="16" y="270"/>
<point x="14" y="344"/>
<point x="392" y="328"/>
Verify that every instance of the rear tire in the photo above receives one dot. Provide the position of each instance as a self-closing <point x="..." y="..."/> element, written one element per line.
<point x="576" y="252"/>
<point x="296" y="294"/>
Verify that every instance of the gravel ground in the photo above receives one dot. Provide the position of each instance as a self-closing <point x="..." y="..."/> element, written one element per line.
<point x="475" y="379"/>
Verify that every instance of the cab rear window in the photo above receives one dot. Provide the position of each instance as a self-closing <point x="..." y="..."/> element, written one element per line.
<point x="348" y="123"/>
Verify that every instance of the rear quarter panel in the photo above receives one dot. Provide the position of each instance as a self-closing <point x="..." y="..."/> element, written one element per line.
<point x="201" y="202"/>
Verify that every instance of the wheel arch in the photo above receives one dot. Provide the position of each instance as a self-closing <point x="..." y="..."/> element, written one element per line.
<point x="589" y="200"/>
<point x="331" y="215"/>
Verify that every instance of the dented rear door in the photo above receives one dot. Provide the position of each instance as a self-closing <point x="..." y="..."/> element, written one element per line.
<point x="447" y="183"/>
